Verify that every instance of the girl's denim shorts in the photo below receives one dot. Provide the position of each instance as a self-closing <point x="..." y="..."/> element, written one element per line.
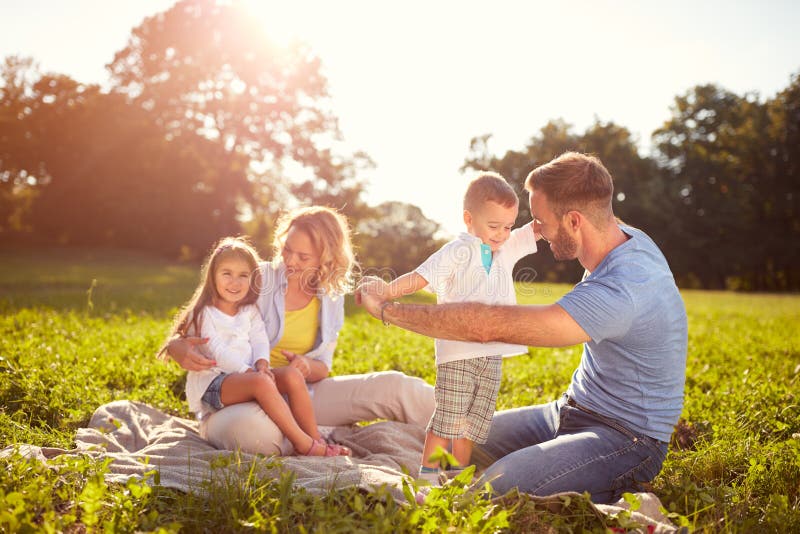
<point x="211" y="396"/>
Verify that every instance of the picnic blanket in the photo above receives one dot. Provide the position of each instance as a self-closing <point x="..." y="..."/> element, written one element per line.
<point x="129" y="432"/>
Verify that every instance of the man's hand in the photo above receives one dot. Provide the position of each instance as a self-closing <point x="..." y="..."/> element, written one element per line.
<point x="185" y="351"/>
<point x="299" y="362"/>
<point x="371" y="293"/>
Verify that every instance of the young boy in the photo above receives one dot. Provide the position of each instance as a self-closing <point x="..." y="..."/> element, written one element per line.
<point x="471" y="268"/>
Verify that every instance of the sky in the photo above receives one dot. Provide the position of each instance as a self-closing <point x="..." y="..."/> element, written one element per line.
<point x="412" y="82"/>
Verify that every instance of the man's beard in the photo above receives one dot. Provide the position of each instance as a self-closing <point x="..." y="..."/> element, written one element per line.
<point x="564" y="247"/>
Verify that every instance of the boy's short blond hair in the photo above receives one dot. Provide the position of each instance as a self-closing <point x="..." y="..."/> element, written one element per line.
<point x="489" y="187"/>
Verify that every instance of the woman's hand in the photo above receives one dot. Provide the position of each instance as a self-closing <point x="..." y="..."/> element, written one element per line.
<point x="299" y="362"/>
<point x="312" y="369"/>
<point x="262" y="366"/>
<point x="185" y="351"/>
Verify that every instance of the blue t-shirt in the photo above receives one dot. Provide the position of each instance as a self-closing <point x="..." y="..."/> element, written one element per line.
<point x="634" y="368"/>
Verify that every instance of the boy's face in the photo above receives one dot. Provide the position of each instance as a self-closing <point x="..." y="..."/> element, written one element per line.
<point x="492" y="223"/>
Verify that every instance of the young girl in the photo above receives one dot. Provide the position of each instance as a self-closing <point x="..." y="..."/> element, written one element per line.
<point x="223" y="311"/>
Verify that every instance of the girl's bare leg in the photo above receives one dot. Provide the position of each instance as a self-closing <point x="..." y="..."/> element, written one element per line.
<point x="244" y="387"/>
<point x="292" y="383"/>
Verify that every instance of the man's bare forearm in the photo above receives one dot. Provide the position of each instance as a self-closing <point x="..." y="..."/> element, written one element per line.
<point x="538" y="326"/>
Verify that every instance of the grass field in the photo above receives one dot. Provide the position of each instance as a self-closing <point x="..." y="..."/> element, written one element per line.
<point x="68" y="344"/>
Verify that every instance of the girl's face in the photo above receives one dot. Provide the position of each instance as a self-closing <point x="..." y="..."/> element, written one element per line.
<point x="299" y="255"/>
<point x="232" y="280"/>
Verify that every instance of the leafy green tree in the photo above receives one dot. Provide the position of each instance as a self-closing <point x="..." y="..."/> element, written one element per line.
<point x="396" y="239"/>
<point x="778" y="221"/>
<point x="714" y="153"/>
<point x="209" y="68"/>
<point x="103" y="174"/>
<point x="205" y="121"/>
<point x="17" y="147"/>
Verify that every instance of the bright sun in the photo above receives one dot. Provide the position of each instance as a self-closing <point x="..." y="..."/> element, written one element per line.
<point x="284" y="22"/>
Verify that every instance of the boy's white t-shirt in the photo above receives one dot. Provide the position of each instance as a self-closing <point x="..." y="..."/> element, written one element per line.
<point x="235" y="342"/>
<point x="455" y="273"/>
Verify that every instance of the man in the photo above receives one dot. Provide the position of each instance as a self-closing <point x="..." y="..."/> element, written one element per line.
<point x="609" y="432"/>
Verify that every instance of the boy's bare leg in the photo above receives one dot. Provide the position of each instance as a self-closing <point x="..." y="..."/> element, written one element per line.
<point x="431" y="442"/>
<point x="243" y="387"/>
<point x="462" y="450"/>
<point x="291" y="382"/>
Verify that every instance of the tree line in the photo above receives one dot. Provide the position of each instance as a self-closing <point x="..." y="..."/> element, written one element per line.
<point x="719" y="194"/>
<point x="205" y="119"/>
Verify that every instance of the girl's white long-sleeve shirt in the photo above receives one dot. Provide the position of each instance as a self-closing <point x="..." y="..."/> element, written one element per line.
<point x="235" y="342"/>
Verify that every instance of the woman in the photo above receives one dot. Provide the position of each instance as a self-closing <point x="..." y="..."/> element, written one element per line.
<point x="301" y="301"/>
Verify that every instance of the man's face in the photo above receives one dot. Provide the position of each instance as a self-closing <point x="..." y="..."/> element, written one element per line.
<point x="553" y="229"/>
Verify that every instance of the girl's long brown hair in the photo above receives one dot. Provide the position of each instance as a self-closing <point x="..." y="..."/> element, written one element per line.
<point x="187" y="321"/>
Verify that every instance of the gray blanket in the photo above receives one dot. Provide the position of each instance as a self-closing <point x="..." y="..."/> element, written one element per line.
<point x="130" y="432"/>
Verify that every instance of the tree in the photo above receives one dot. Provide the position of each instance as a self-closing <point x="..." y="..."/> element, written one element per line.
<point x="17" y="147"/>
<point x="205" y="121"/>
<point x="713" y="151"/>
<point x="779" y="202"/>
<point x="103" y="174"/>
<point x="208" y="68"/>
<point x="397" y="238"/>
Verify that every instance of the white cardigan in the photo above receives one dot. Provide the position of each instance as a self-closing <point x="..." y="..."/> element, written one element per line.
<point x="235" y="342"/>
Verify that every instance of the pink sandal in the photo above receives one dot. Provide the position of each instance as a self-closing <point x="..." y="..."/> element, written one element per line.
<point x="320" y="447"/>
<point x="343" y="450"/>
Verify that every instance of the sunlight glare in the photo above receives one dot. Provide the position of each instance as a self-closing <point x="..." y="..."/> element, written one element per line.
<point x="283" y="21"/>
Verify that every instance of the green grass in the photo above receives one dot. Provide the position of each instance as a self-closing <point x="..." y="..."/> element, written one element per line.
<point x="64" y="351"/>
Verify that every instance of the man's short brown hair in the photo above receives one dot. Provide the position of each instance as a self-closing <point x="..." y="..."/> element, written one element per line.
<point x="574" y="181"/>
<point x="489" y="186"/>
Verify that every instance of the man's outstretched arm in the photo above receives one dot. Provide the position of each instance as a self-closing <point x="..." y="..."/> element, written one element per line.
<point x="536" y="326"/>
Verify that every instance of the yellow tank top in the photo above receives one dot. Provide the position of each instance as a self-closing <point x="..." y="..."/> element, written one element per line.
<point x="299" y="333"/>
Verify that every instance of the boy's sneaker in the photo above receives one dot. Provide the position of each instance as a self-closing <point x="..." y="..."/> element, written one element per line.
<point x="451" y="473"/>
<point x="431" y="475"/>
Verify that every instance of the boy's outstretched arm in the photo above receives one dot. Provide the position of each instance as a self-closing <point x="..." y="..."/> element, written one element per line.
<point x="405" y="285"/>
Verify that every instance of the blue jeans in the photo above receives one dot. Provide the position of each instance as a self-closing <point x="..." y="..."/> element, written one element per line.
<point x="557" y="447"/>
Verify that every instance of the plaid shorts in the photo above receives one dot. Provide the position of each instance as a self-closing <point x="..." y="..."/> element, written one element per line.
<point x="466" y="395"/>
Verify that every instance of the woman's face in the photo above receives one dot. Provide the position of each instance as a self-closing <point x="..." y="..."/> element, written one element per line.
<point x="300" y="256"/>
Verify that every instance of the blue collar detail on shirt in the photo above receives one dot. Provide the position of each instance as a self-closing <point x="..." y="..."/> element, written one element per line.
<point x="486" y="257"/>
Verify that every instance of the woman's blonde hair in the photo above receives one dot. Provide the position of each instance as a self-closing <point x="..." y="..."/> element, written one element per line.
<point x="188" y="318"/>
<point x="330" y="234"/>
